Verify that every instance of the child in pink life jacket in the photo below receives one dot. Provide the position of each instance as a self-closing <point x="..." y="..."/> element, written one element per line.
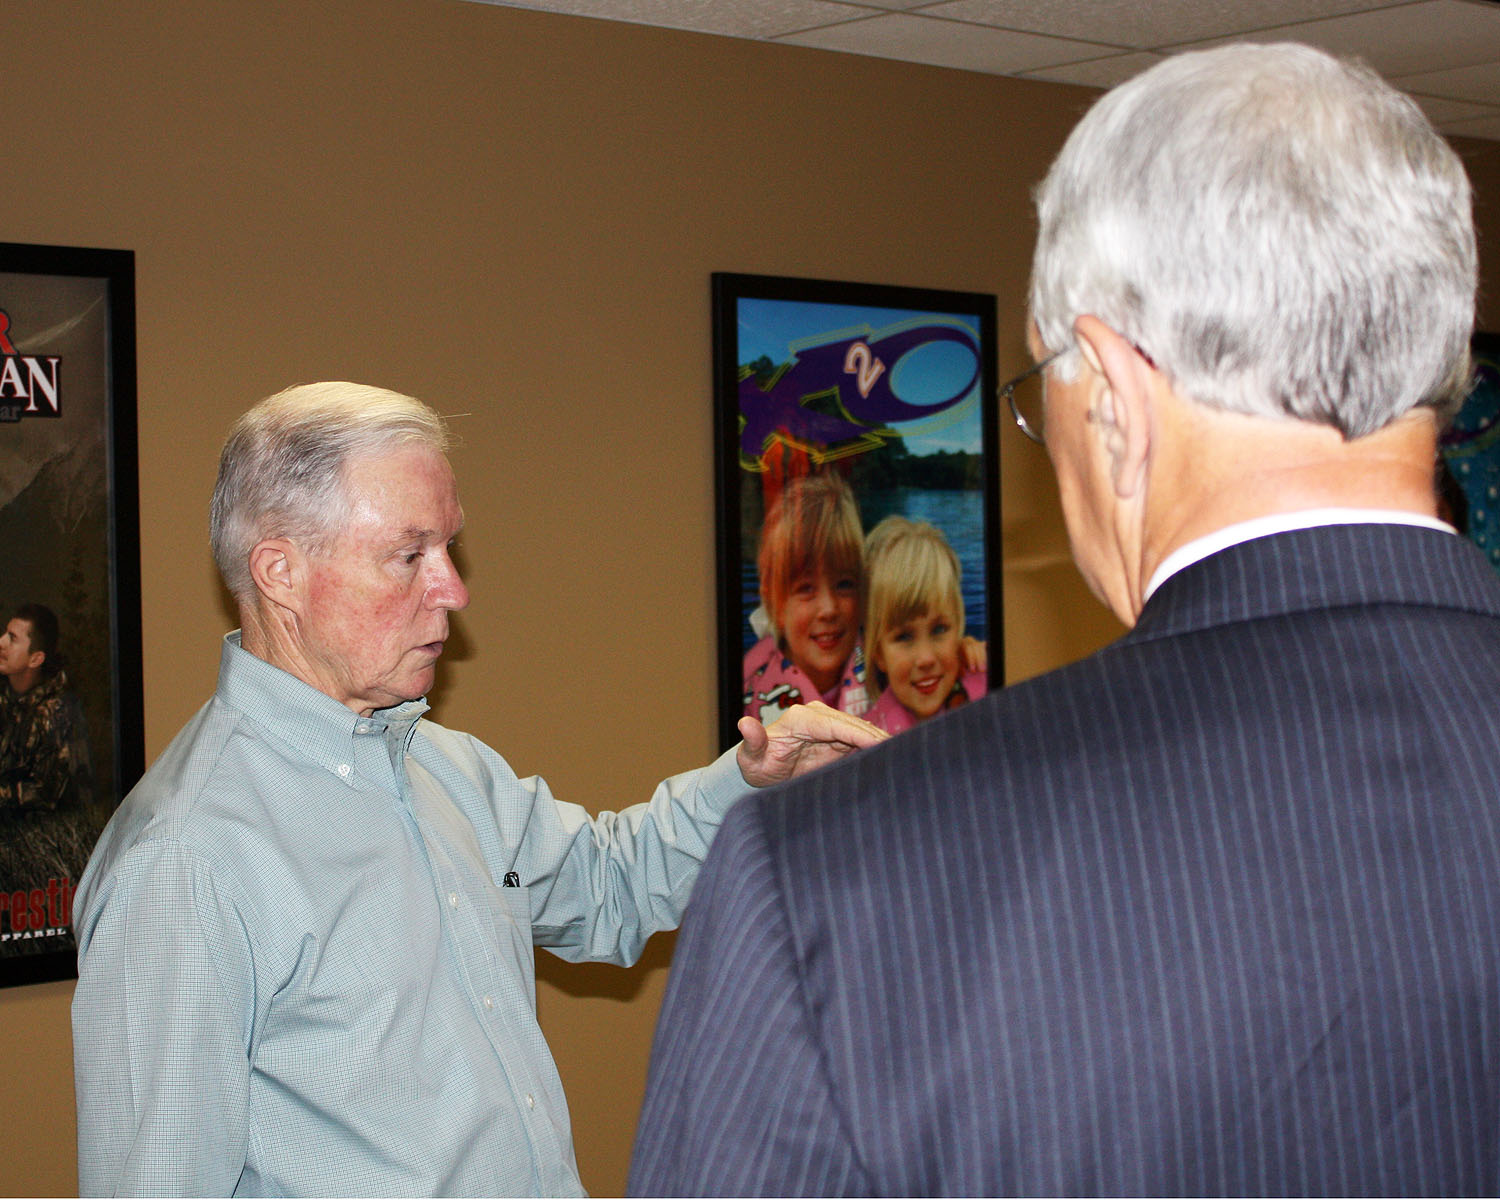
<point x="914" y="625"/>
<point x="811" y="550"/>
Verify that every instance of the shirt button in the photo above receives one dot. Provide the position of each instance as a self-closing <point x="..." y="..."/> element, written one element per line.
<point x="452" y="899"/>
<point x="488" y="1003"/>
<point x="530" y="1102"/>
<point x="344" y="769"/>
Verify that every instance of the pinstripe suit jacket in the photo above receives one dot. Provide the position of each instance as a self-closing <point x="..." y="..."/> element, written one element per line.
<point x="1216" y="910"/>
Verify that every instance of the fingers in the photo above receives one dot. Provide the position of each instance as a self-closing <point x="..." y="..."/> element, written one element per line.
<point x="804" y="737"/>
<point x="976" y="655"/>
<point x="817" y="722"/>
<point x="753" y="735"/>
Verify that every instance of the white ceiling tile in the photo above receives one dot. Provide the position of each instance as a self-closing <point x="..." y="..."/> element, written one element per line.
<point x="1440" y="109"/>
<point x="1098" y="72"/>
<point x="1485" y="127"/>
<point x="1132" y="23"/>
<point x="732" y="18"/>
<point x="1481" y="83"/>
<point x="1445" y="51"/>
<point x="945" y="44"/>
<point x="1405" y="40"/>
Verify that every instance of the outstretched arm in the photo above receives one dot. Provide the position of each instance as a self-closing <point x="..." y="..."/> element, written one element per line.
<point x="806" y="736"/>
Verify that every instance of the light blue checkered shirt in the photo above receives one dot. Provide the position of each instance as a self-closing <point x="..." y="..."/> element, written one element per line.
<point x="300" y="971"/>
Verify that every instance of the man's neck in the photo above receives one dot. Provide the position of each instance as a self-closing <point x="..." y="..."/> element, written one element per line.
<point x="23" y="681"/>
<point x="1235" y="469"/>
<point x="267" y="633"/>
<point x="267" y="637"/>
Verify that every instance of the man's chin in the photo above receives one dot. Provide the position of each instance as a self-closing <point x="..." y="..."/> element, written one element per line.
<point x="413" y="689"/>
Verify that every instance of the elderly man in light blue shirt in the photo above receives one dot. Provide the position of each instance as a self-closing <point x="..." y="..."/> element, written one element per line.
<point x="306" y="939"/>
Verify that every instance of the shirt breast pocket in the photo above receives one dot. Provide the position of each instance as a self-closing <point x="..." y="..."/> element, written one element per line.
<point x="512" y="922"/>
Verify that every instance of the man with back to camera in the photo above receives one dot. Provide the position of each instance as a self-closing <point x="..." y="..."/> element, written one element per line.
<point x="1217" y="909"/>
<point x="306" y="938"/>
<point x="45" y="763"/>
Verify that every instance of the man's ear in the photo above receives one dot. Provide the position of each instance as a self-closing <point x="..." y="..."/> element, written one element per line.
<point x="1123" y="401"/>
<point x="279" y="569"/>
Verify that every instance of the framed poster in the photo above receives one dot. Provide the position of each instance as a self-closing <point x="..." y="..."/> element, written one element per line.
<point x="71" y="737"/>
<point x="858" y="494"/>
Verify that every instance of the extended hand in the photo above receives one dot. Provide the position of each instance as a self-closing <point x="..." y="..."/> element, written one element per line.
<point x="976" y="655"/>
<point x="805" y="736"/>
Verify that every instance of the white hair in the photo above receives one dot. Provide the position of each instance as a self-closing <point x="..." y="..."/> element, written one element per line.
<point x="1281" y="232"/>
<point x="281" y="472"/>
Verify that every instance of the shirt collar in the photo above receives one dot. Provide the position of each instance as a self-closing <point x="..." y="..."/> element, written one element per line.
<point x="299" y="716"/>
<point x="1232" y="535"/>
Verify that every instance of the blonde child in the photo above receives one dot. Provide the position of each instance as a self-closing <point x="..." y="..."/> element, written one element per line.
<point x="914" y="625"/>
<point x="811" y="556"/>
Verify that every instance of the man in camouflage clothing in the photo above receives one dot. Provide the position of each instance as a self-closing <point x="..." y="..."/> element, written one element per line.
<point x="44" y="751"/>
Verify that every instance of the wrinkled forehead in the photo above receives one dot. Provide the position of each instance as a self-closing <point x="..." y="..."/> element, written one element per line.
<point x="414" y="477"/>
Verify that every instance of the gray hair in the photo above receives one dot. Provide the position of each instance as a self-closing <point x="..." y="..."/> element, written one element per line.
<point x="281" y="473"/>
<point x="1283" y="233"/>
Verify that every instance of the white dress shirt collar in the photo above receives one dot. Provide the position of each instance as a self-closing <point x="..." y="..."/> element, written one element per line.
<point x="1232" y="535"/>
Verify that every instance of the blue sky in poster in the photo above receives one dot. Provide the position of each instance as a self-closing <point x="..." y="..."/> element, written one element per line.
<point x="774" y="327"/>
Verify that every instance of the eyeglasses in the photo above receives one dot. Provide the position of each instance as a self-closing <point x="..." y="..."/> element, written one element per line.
<point x="1025" y="394"/>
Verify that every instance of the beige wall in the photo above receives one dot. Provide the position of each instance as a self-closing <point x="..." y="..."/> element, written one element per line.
<point x="513" y="216"/>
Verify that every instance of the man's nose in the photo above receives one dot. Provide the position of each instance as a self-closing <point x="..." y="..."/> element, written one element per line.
<point x="448" y="589"/>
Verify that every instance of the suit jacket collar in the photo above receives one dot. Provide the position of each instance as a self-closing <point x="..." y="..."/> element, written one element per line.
<point x="1326" y="567"/>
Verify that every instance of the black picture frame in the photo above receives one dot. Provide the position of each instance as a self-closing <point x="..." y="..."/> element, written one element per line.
<point x="847" y="377"/>
<point x="69" y="520"/>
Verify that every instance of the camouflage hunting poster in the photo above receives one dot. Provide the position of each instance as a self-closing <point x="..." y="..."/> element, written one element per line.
<point x="71" y="740"/>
